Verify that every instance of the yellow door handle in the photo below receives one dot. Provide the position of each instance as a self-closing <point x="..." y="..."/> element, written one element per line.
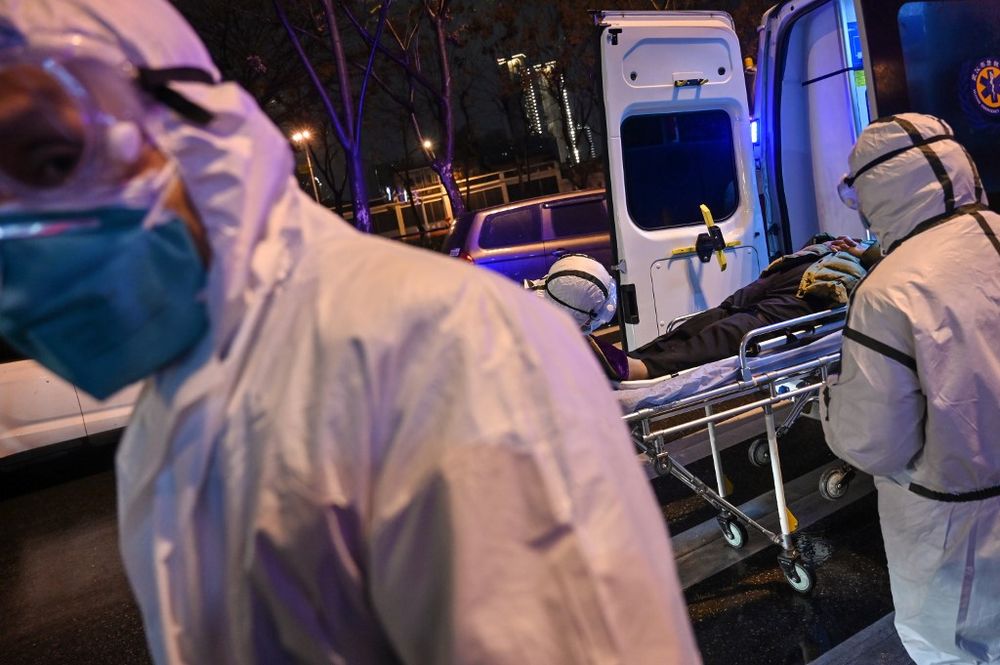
<point x="691" y="249"/>
<point x="720" y="255"/>
<point x="714" y="240"/>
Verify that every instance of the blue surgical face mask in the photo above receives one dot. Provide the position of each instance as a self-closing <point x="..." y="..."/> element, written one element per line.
<point x="102" y="297"/>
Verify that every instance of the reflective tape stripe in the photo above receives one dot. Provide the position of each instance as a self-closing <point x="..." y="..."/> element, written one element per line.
<point x="879" y="347"/>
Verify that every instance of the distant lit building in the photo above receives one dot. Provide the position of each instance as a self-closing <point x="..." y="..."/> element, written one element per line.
<point x="547" y="106"/>
<point x="589" y="148"/>
<point x="518" y="70"/>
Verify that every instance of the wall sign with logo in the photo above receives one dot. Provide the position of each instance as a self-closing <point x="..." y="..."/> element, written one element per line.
<point x="985" y="84"/>
<point x="979" y="90"/>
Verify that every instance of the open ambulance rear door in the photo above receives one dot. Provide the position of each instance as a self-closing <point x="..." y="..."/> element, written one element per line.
<point x="826" y="68"/>
<point x="678" y="134"/>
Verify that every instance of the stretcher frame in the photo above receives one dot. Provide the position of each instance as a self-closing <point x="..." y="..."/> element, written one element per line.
<point x="801" y="382"/>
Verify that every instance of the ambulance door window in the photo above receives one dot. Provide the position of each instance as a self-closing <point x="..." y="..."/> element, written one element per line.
<point x="674" y="162"/>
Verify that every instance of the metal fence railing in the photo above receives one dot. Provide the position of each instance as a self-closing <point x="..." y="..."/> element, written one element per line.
<point x="398" y="219"/>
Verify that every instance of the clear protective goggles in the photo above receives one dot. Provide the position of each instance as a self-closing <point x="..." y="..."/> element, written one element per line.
<point x="848" y="195"/>
<point x="845" y="189"/>
<point x="71" y="110"/>
<point x="69" y="119"/>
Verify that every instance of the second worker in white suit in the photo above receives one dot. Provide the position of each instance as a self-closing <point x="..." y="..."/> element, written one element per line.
<point x="917" y="403"/>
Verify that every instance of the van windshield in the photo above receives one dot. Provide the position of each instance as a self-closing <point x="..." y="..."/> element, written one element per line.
<point x="674" y="162"/>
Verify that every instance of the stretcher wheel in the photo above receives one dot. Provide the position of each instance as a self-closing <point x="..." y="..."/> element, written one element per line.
<point x="805" y="581"/>
<point x="759" y="453"/>
<point x="833" y="484"/>
<point x="734" y="533"/>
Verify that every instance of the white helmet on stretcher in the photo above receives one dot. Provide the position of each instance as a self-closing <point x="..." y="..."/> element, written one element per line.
<point x="581" y="286"/>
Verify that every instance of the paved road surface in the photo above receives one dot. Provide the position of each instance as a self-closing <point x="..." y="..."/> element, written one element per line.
<point x="64" y="598"/>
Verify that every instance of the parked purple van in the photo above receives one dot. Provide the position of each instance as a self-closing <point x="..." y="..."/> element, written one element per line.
<point x="522" y="239"/>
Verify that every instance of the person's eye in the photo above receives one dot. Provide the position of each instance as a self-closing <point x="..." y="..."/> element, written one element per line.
<point x="49" y="163"/>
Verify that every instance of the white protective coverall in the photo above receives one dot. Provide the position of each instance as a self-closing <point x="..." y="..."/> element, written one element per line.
<point x="917" y="403"/>
<point x="379" y="455"/>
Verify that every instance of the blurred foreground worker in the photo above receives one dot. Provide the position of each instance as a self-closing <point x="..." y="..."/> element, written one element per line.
<point x="917" y="403"/>
<point x="349" y="451"/>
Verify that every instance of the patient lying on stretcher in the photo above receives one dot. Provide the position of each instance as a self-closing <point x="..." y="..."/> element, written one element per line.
<point x="816" y="278"/>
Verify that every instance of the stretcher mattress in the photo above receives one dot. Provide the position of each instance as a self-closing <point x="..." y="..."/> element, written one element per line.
<point x="636" y="395"/>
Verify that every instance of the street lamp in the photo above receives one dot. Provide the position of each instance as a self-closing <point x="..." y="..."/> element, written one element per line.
<point x="427" y="144"/>
<point x="303" y="137"/>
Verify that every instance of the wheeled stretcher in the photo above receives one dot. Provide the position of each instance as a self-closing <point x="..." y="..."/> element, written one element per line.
<point x="788" y="361"/>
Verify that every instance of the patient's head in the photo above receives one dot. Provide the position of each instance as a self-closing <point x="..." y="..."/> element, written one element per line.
<point x="819" y="239"/>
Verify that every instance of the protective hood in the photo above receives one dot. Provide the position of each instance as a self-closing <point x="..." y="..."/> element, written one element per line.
<point x="908" y="169"/>
<point x="237" y="169"/>
<point x="581" y="287"/>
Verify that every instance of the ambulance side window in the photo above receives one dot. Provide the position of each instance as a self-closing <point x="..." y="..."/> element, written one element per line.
<point x="674" y="162"/>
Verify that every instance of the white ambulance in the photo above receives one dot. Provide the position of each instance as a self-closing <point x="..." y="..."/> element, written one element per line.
<point x="681" y="133"/>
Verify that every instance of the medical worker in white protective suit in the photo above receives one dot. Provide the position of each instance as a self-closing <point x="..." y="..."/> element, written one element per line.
<point x="917" y="403"/>
<point x="350" y="451"/>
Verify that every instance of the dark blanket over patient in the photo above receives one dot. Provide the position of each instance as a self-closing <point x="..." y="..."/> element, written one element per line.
<point x="811" y="280"/>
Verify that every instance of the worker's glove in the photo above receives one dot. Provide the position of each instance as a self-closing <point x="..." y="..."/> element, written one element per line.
<point x="832" y="278"/>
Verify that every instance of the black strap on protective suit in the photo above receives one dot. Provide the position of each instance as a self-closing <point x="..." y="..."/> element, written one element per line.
<point x="961" y="497"/>
<point x="582" y="275"/>
<point x="940" y="171"/>
<point x="918" y="142"/>
<point x="937" y="220"/>
<point x="880" y="347"/>
<point x="157" y="83"/>
<point x="977" y="181"/>
<point x="988" y="230"/>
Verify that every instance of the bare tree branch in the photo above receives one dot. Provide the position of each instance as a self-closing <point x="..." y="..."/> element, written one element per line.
<point x="338" y="126"/>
